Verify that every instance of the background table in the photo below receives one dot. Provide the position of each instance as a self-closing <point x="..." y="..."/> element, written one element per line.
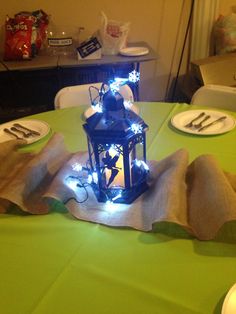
<point x="56" y="264"/>
<point x="29" y="87"/>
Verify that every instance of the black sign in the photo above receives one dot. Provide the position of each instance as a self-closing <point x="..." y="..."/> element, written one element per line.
<point x="86" y="48"/>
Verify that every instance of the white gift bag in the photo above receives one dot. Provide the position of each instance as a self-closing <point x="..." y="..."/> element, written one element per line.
<point x="113" y="35"/>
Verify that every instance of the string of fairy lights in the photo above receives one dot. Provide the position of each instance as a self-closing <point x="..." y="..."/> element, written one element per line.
<point x="84" y="176"/>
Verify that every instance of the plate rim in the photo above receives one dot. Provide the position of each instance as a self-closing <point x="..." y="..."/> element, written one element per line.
<point x="227" y="297"/>
<point x="189" y="131"/>
<point x="145" y="51"/>
<point x="28" y="120"/>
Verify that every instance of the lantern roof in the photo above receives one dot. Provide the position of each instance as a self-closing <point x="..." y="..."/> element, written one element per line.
<point x="115" y="121"/>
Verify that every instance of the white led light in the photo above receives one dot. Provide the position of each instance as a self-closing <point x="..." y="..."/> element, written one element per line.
<point x="77" y="166"/>
<point x="71" y="183"/>
<point x="138" y="162"/>
<point x="117" y="83"/>
<point x="141" y="163"/>
<point x="95" y="177"/>
<point x="90" y="178"/>
<point x="117" y="196"/>
<point x="97" y="107"/>
<point x="114" y="87"/>
<point x="112" y="150"/>
<point x="136" y="128"/>
<point x="109" y="202"/>
<point x="120" y="80"/>
<point x="128" y="104"/>
<point x="111" y="207"/>
<point x="145" y="166"/>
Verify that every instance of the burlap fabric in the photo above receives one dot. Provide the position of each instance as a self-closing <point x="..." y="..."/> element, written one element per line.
<point x="199" y="196"/>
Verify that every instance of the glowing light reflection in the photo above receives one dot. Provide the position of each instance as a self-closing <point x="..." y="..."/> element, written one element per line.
<point x="112" y="208"/>
<point x="97" y="107"/>
<point x="112" y="150"/>
<point x="95" y="177"/>
<point x="77" y="167"/>
<point x="141" y="163"/>
<point x="72" y="183"/>
<point x="90" y="179"/>
<point x="128" y="104"/>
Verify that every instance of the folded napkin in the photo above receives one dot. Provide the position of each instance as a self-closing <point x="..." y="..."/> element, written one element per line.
<point x="200" y="197"/>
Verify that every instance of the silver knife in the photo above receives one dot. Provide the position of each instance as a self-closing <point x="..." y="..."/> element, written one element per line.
<point x="212" y="123"/>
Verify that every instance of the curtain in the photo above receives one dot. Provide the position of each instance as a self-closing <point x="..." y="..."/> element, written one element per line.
<point x="204" y="14"/>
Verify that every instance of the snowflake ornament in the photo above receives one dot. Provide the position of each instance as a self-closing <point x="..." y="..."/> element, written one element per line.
<point x="134" y="76"/>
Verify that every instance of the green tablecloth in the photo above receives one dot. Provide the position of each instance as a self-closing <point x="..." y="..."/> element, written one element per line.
<point x="56" y="264"/>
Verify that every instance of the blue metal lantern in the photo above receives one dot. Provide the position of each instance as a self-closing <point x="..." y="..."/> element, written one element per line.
<point x="117" y="151"/>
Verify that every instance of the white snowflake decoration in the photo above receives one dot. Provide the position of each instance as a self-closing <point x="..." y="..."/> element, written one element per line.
<point x="134" y="76"/>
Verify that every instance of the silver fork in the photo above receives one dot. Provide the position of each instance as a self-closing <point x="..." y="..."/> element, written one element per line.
<point x="199" y="125"/>
<point x="26" y="135"/>
<point x="190" y="124"/>
<point x="12" y="133"/>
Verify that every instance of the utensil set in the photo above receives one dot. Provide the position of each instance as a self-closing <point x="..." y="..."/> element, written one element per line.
<point x="22" y="130"/>
<point x="199" y="126"/>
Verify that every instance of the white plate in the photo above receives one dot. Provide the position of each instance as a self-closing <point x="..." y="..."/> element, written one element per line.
<point x="229" y="305"/>
<point x="40" y="126"/>
<point x="90" y="111"/>
<point x="181" y="119"/>
<point x="134" y="51"/>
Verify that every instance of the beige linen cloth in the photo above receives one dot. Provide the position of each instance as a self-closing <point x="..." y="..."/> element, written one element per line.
<point x="25" y="177"/>
<point x="200" y="197"/>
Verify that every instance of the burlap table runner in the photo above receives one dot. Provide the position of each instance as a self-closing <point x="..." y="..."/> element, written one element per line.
<point x="200" y="197"/>
<point x="24" y="177"/>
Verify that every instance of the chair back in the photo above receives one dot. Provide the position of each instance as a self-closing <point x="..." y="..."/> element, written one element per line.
<point x="217" y="96"/>
<point x="72" y="96"/>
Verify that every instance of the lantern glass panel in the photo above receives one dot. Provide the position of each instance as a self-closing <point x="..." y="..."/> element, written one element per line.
<point x="136" y="155"/>
<point x="91" y="155"/>
<point x="139" y="151"/>
<point x="112" y="166"/>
